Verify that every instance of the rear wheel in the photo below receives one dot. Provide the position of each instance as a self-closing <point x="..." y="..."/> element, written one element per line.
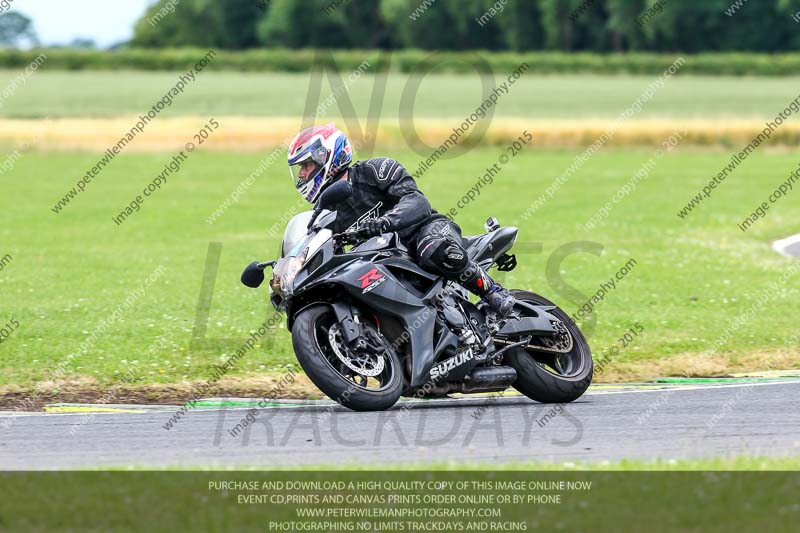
<point x="367" y="379"/>
<point x="552" y="370"/>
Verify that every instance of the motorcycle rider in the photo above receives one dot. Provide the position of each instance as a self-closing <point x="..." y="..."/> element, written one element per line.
<point x="385" y="199"/>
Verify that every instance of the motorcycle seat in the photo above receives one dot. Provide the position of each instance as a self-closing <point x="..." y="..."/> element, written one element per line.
<point x="475" y="243"/>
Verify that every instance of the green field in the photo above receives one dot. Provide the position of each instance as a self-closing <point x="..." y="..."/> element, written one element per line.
<point x="70" y="271"/>
<point x="98" y="94"/>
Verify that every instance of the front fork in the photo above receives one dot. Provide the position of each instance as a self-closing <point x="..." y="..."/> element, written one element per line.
<point x="350" y="322"/>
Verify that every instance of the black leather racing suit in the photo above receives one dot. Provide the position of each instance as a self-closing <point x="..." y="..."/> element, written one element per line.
<point x="383" y="188"/>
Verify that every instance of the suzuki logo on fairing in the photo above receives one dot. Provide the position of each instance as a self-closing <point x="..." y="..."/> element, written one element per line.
<point x="371" y="279"/>
<point x="444" y="368"/>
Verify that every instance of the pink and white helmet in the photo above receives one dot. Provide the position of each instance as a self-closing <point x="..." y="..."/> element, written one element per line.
<point x="327" y="148"/>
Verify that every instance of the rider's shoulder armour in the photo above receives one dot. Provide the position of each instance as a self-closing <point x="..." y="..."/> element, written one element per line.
<point x="381" y="171"/>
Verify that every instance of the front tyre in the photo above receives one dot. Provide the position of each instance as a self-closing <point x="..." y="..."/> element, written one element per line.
<point x="367" y="380"/>
<point x="547" y="376"/>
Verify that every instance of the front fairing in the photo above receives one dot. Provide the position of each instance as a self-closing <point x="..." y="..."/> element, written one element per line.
<point x="367" y="274"/>
<point x="299" y="247"/>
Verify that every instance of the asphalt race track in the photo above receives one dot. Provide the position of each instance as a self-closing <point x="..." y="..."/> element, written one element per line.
<point x="757" y="418"/>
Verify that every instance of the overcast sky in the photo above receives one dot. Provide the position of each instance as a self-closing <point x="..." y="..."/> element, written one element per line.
<point x="104" y="21"/>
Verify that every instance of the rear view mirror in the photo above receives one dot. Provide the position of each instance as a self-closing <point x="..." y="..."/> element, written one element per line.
<point x="325" y="220"/>
<point x="336" y="193"/>
<point x="253" y="275"/>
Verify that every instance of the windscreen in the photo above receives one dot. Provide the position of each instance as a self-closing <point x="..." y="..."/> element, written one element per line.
<point x="296" y="231"/>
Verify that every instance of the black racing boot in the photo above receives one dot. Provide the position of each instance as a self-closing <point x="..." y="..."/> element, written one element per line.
<point x="478" y="282"/>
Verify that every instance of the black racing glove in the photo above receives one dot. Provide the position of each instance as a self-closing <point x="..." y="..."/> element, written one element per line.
<point x="375" y="226"/>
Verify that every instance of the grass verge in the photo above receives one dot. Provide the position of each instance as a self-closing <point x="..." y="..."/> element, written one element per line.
<point x="72" y="272"/>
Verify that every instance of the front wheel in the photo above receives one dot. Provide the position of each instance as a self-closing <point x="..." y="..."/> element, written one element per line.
<point x="367" y="379"/>
<point x="552" y="370"/>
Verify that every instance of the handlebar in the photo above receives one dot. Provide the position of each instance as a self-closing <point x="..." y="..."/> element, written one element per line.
<point x="350" y="237"/>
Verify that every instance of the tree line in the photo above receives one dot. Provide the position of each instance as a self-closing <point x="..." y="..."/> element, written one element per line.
<point x="514" y="25"/>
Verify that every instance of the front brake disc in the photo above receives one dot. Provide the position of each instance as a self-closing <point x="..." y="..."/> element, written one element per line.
<point x="364" y="364"/>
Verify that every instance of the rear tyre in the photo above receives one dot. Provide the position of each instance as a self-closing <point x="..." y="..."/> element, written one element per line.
<point x="549" y="377"/>
<point x="358" y="381"/>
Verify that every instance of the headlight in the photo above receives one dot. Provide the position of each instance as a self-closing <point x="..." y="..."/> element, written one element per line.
<point x="282" y="282"/>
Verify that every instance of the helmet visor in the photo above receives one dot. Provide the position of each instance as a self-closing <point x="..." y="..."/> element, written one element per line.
<point x="304" y="172"/>
<point x="304" y="167"/>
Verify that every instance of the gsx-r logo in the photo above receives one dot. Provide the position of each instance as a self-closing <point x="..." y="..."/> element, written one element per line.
<point x="371" y="279"/>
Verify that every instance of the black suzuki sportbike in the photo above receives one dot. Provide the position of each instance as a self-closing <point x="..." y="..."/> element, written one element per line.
<point x="368" y="325"/>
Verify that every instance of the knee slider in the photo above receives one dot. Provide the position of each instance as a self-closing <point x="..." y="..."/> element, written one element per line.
<point x="455" y="257"/>
<point x="445" y="256"/>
